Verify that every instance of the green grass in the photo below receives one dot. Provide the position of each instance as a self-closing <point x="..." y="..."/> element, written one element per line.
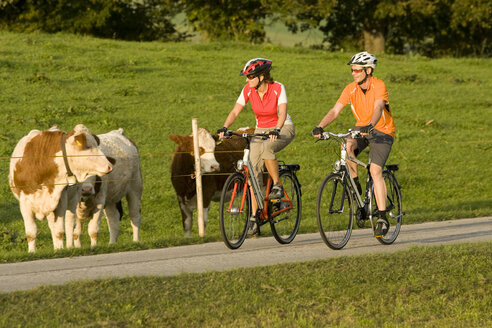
<point x="441" y="107"/>
<point x="443" y="286"/>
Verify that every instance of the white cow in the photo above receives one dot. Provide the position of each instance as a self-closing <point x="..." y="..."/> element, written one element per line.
<point x="44" y="164"/>
<point x="105" y="193"/>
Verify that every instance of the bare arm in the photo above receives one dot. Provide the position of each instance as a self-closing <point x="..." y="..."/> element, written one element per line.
<point x="231" y="117"/>
<point x="331" y="116"/>
<point x="282" y="115"/>
<point x="378" y="111"/>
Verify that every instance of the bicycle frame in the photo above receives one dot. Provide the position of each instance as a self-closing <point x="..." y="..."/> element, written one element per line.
<point x="339" y="201"/>
<point x="342" y="167"/>
<point x="245" y="167"/>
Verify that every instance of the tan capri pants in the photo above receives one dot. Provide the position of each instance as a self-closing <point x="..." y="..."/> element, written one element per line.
<point x="265" y="149"/>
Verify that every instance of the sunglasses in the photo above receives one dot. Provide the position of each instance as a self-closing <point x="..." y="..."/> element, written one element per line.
<point x="357" y="70"/>
<point x="250" y="77"/>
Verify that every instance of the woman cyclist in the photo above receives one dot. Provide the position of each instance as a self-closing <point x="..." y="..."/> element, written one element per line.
<point x="269" y="103"/>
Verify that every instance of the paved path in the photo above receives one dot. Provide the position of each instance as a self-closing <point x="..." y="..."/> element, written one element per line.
<point x="216" y="256"/>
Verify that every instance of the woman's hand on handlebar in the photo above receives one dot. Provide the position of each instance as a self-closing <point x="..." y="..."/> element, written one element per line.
<point x="274" y="134"/>
<point x="221" y="132"/>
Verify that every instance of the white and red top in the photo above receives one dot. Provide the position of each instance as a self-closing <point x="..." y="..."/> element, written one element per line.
<point x="266" y="110"/>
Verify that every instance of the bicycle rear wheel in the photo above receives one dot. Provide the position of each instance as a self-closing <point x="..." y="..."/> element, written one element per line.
<point x="234" y="211"/>
<point x="393" y="208"/>
<point x="286" y="224"/>
<point x="335" y="211"/>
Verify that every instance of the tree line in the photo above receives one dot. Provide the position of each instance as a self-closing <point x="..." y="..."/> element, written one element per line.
<point x="428" y="27"/>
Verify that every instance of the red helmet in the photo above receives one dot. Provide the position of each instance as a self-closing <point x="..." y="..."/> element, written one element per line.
<point x="256" y="66"/>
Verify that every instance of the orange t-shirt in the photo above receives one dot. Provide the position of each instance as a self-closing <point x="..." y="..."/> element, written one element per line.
<point x="363" y="104"/>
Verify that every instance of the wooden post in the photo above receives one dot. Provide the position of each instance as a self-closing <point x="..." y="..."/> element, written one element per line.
<point x="198" y="179"/>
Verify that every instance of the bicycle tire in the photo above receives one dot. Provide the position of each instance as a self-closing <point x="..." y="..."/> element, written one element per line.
<point x="285" y="225"/>
<point x="393" y="208"/>
<point x="335" y="211"/>
<point x="233" y="222"/>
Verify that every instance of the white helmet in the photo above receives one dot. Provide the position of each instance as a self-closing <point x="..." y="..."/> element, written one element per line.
<point x="364" y="59"/>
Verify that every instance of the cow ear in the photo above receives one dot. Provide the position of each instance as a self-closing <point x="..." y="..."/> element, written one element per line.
<point x="98" y="142"/>
<point x="80" y="141"/>
<point x="111" y="160"/>
<point x="176" y="138"/>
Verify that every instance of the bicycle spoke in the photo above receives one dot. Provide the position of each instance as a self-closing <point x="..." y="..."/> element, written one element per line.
<point x="287" y="212"/>
<point x="393" y="208"/>
<point x="234" y="211"/>
<point x="335" y="225"/>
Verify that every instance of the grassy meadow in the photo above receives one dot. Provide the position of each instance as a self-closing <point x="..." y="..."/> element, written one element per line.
<point x="442" y="286"/>
<point x="442" y="110"/>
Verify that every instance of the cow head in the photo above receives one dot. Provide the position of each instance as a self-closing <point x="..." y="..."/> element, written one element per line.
<point x="91" y="187"/>
<point x="206" y="142"/>
<point x="84" y="156"/>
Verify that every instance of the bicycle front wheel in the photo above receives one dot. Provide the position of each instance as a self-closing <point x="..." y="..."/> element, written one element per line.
<point x="335" y="211"/>
<point x="286" y="223"/>
<point x="234" y="211"/>
<point x="394" y="211"/>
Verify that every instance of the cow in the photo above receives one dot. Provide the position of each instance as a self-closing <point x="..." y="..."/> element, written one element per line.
<point x="44" y="170"/>
<point x="105" y="193"/>
<point x="227" y="153"/>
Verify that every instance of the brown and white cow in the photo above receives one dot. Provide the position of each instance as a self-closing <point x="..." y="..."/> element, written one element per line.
<point x="227" y="153"/>
<point x="43" y="167"/>
<point x="105" y="193"/>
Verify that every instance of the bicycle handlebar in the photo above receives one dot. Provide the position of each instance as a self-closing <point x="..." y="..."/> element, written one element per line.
<point x="263" y="136"/>
<point x="352" y="133"/>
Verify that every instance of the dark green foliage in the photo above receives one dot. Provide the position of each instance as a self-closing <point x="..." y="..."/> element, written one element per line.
<point x="121" y="19"/>
<point x="431" y="28"/>
<point x="227" y="19"/>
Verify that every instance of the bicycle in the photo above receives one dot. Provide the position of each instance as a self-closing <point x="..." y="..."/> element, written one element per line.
<point x="339" y="203"/>
<point x="284" y="215"/>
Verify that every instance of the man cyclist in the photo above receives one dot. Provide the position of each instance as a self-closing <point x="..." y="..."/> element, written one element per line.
<point x="269" y="103"/>
<point x="369" y="101"/>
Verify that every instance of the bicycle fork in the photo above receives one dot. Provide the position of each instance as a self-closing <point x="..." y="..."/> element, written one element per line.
<point x="246" y="166"/>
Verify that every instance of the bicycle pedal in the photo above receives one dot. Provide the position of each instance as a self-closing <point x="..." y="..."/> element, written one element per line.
<point x="275" y="201"/>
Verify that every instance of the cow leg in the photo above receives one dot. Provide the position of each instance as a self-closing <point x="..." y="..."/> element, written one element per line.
<point x="29" y="226"/>
<point x="186" y="216"/>
<point x="56" y="224"/>
<point x="77" y="232"/>
<point x="56" y="221"/>
<point x="113" y="219"/>
<point x="73" y="198"/>
<point x="133" y="200"/>
<point x="69" y="227"/>
<point x="205" y="218"/>
<point x="94" y="224"/>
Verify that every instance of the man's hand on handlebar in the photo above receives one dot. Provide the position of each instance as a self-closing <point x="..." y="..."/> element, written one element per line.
<point x="366" y="130"/>
<point x="317" y="132"/>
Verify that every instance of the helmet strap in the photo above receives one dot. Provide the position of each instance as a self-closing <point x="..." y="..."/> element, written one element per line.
<point x="365" y="79"/>
<point x="259" y="82"/>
